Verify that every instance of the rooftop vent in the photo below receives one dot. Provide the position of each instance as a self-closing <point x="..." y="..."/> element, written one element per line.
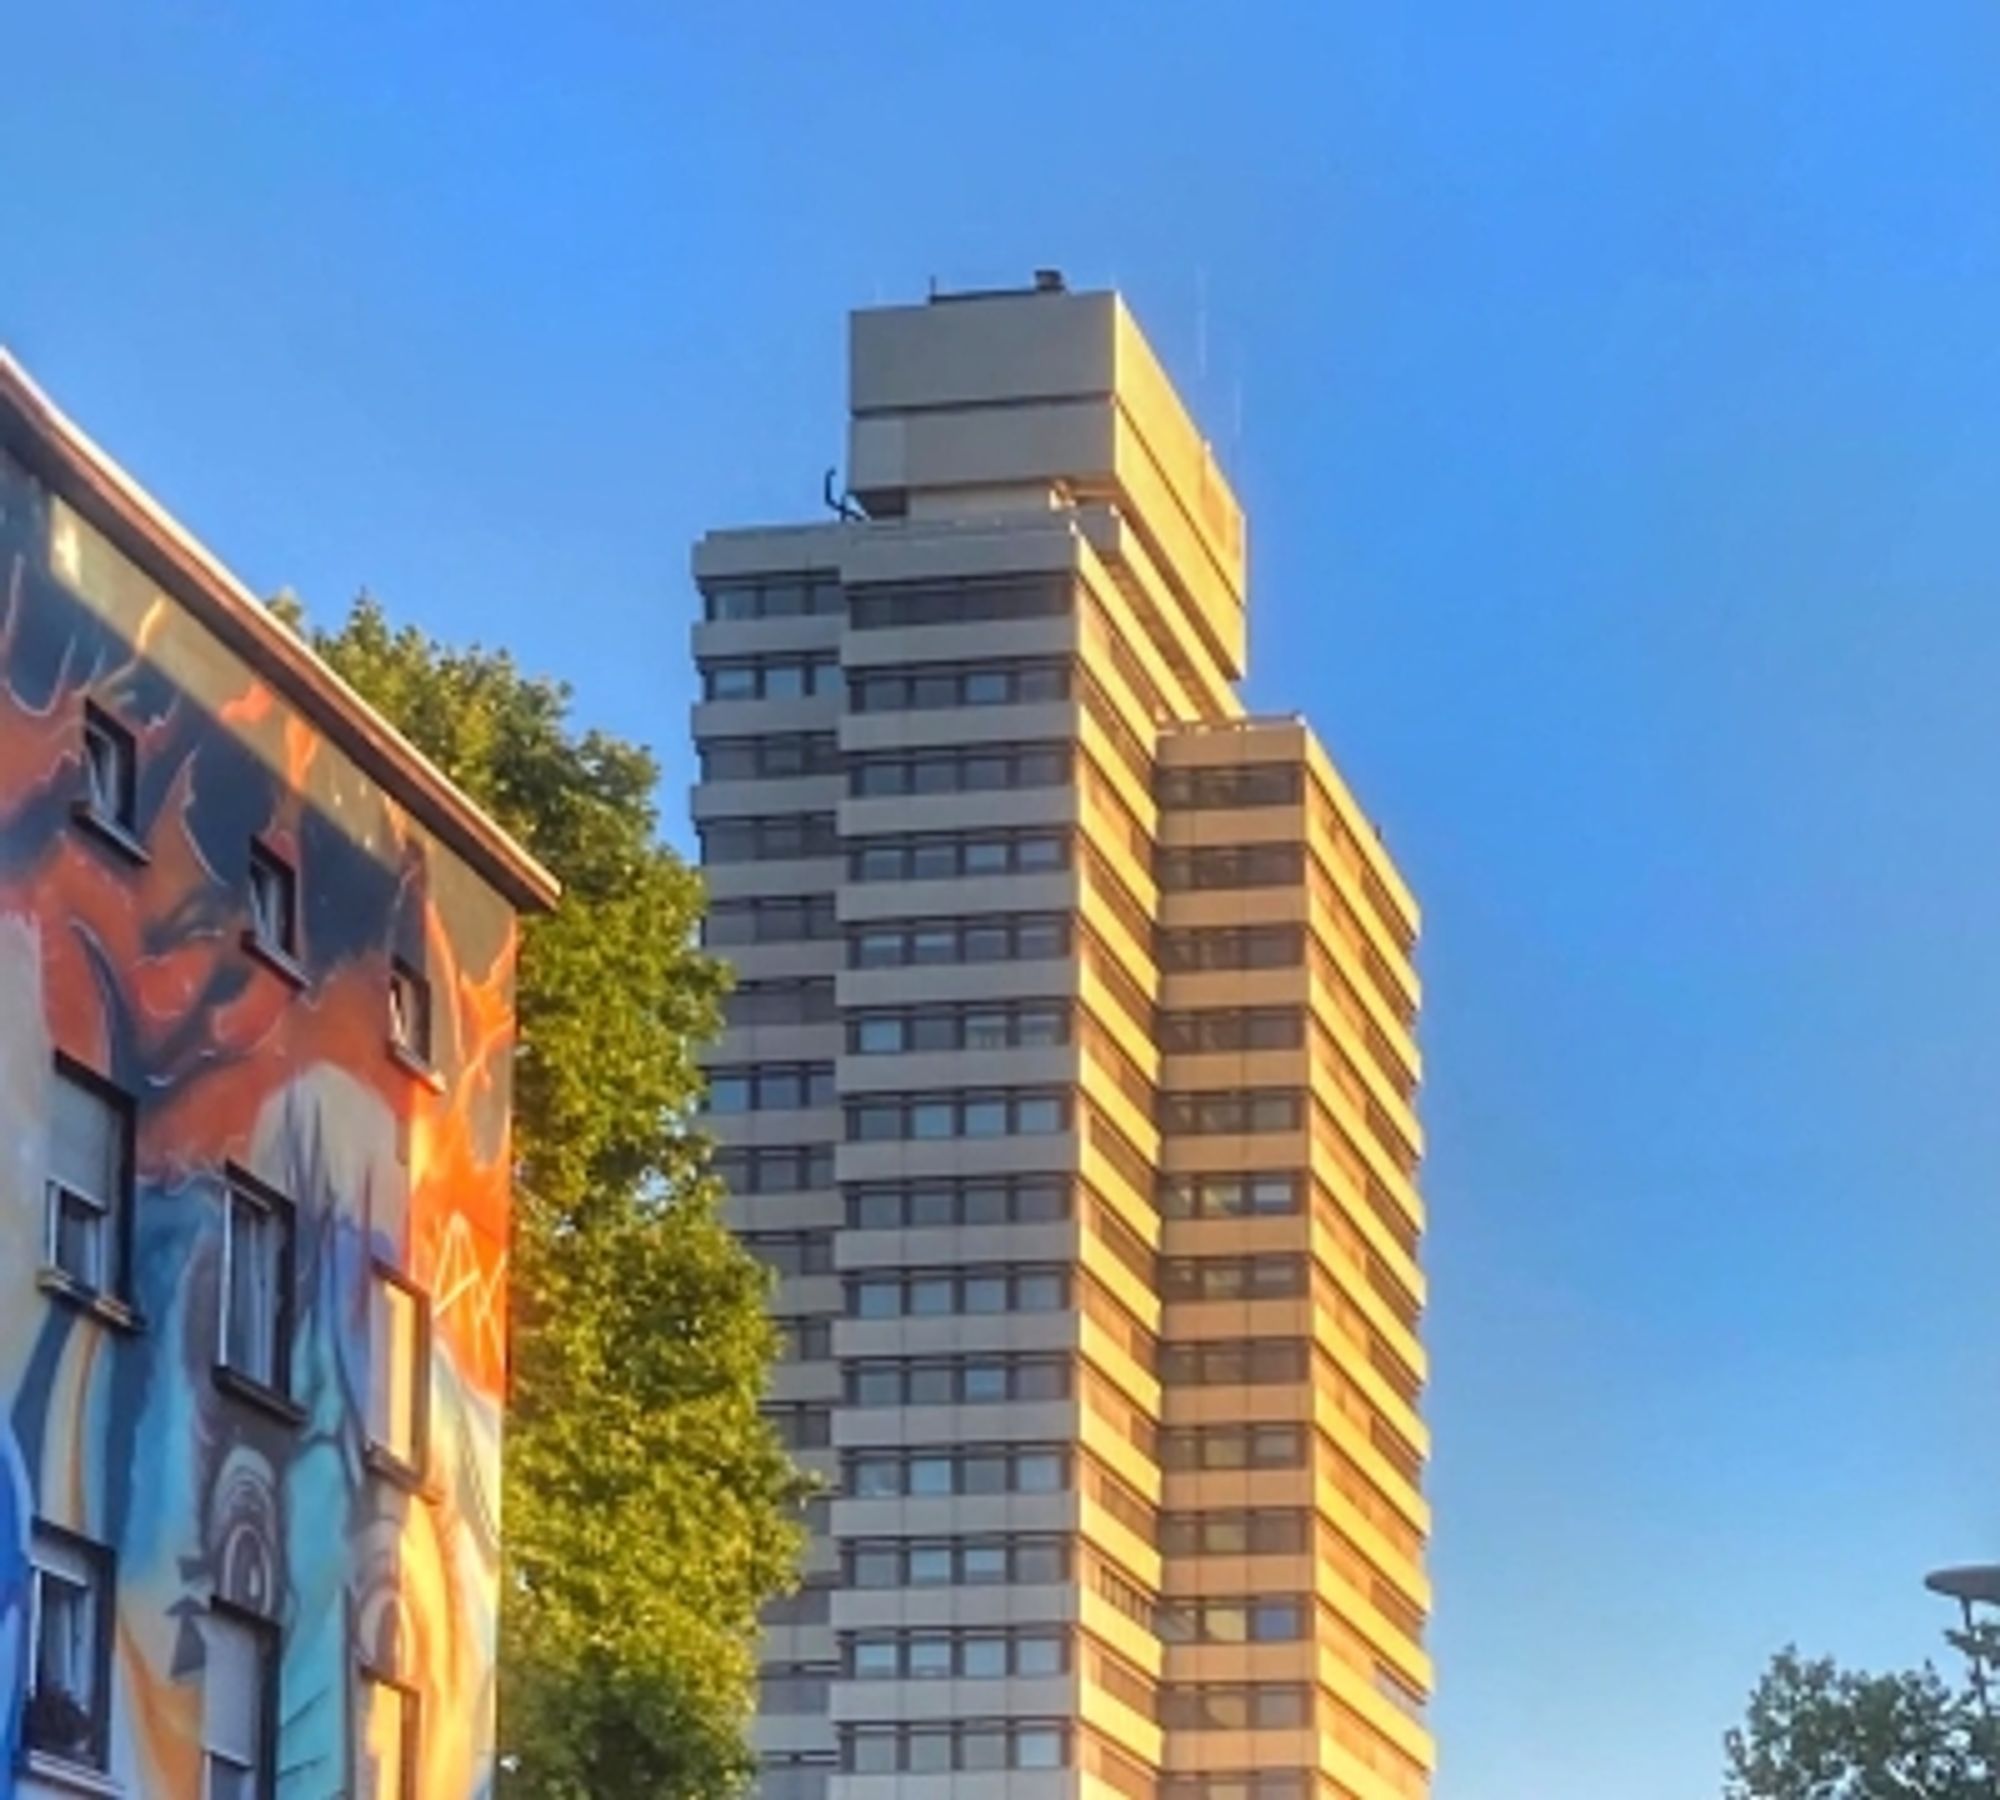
<point x="1046" y="281"/>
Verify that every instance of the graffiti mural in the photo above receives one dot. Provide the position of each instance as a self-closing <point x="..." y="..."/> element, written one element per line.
<point x="130" y="960"/>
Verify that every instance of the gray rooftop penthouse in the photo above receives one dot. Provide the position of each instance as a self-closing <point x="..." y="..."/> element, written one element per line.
<point x="1068" y="1086"/>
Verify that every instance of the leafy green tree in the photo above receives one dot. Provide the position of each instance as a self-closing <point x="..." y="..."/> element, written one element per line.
<point x="1815" y="1731"/>
<point x="649" y="1509"/>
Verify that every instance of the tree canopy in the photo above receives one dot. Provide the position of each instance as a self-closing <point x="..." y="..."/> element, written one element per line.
<point x="649" y="1508"/>
<point x="1816" y="1731"/>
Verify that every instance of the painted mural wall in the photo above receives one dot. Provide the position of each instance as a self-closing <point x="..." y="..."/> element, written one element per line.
<point x="137" y="968"/>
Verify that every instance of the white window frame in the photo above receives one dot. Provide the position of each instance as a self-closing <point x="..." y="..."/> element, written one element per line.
<point x="57" y="1555"/>
<point x="244" y="1192"/>
<point x="105" y="1215"/>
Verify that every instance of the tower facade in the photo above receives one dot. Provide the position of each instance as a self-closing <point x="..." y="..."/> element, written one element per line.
<point x="1068" y="1087"/>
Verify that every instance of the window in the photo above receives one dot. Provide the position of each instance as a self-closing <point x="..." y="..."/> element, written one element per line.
<point x="1002" y="937"/>
<point x="784" y="754"/>
<point x="1232" y="1361"/>
<point x="274" y="903"/>
<point x="239" y="1707"/>
<point x="1233" y="1028"/>
<point x="983" y="768"/>
<point x="770" y="921"/>
<point x="772" y="837"/>
<point x="1244" y="784"/>
<point x="945" y="686"/>
<point x="1258" y="1195"/>
<point x="1232" y="1111"/>
<point x="946" y="856"/>
<point x="935" y="1294"/>
<point x="90" y="1181"/>
<point x="960" y="602"/>
<point x="932" y="1117"/>
<point x="110" y="773"/>
<point x="808" y="1001"/>
<point x="770" y="1087"/>
<point x="1021" y="1200"/>
<point x="1258" y="1532"/>
<point x="971" y="1746"/>
<point x="774" y="597"/>
<point x="937" y="1474"/>
<point x="1232" y="1277"/>
<point x="385" y="1738"/>
<point x="1233" y="947"/>
<point x="1258" y="1619"/>
<point x="771" y="677"/>
<point x="399" y="1370"/>
<point x="1234" y="1447"/>
<point x="409" y="1012"/>
<point x="962" y="1381"/>
<point x="257" y="1275"/>
<point x="984" y="1026"/>
<point x="69" y="1685"/>
<point x="775" y="1168"/>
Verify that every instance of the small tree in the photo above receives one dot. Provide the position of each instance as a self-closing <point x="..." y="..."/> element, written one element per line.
<point x="1815" y="1731"/>
<point x="649" y="1508"/>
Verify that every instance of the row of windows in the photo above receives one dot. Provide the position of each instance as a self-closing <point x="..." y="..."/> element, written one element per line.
<point x="804" y="1001"/>
<point x="1019" y="1200"/>
<point x="1232" y="1277"/>
<point x="956" y="1655"/>
<point x="1260" y="1194"/>
<point x="966" y="769"/>
<point x="943" y="1293"/>
<point x="1004" y="937"/>
<point x="1252" y="1531"/>
<point x="1229" y="866"/>
<point x="775" y="1168"/>
<point x="946" y="856"/>
<point x="1232" y="1111"/>
<point x="968" y="1746"/>
<point x="807" y="1339"/>
<point x="800" y="1426"/>
<point x="1245" y="1784"/>
<point x="771" y="677"/>
<point x="961" y="602"/>
<point x="961" y="1381"/>
<point x="770" y="1087"/>
<point x="775" y="755"/>
<point x="1211" y="1029"/>
<point x="773" y="597"/>
<point x="1232" y="1362"/>
<point x="1010" y="1112"/>
<point x="769" y="837"/>
<point x="1252" y="1706"/>
<point x="792" y="1689"/>
<point x="770" y="921"/>
<point x="956" y="1562"/>
<point x="1248" y="1619"/>
<point x="976" y="1026"/>
<point x="945" y="687"/>
<point x="791" y="1252"/>
<point x="67" y="1716"/>
<point x="1237" y="785"/>
<point x="1230" y="947"/>
<point x="941" y="1474"/>
<point x="1233" y="1447"/>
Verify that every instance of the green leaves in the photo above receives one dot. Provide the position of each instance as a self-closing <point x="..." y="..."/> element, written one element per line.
<point x="649" y="1509"/>
<point x="1815" y="1731"/>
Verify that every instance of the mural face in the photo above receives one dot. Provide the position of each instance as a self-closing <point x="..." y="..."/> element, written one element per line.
<point x="135" y="967"/>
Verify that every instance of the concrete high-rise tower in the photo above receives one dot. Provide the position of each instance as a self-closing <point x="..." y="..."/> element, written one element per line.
<point x="1068" y="1086"/>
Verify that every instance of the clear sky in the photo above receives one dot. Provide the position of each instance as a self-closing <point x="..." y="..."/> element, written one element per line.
<point x="1615" y="392"/>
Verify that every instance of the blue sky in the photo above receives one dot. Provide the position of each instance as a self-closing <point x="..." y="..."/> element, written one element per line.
<point x="1615" y="391"/>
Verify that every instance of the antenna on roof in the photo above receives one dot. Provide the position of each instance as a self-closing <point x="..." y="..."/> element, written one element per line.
<point x="839" y="500"/>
